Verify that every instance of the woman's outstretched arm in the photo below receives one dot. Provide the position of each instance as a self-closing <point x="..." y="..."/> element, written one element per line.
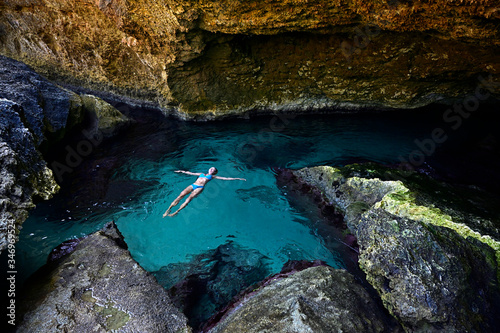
<point x="227" y="178"/>
<point x="188" y="172"/>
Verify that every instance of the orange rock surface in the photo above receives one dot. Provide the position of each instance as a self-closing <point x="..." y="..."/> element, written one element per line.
<point x="199" y="57"/>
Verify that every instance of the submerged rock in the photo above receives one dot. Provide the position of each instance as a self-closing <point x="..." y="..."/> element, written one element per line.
<point x="210" y="280"/>
<point x="432" y="271"/>
<point x="317" y="299"/>
<point x="95" y="288"/>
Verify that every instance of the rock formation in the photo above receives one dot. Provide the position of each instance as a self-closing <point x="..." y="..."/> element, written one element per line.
<point x="98" y="287"/>
<point x="33" y="114"/>
<point x="433" y="271"/>
<point x="317" y="299"/>
<point x="204" y="59"/>
<point x="32" y="109"/>
<point x="105" y="120"/>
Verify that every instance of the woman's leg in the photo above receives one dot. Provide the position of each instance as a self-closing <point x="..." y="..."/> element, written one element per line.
<point x="193" y="195"/>
<point x="174" y="203"/>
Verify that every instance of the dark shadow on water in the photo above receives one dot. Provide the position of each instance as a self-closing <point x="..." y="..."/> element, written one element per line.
<point x="208" y="282"/>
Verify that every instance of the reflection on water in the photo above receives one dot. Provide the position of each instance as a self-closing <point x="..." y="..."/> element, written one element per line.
<point x="268" y="196"/>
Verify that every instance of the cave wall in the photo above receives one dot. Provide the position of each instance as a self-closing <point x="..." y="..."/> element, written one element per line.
<point x="205" y="59"/>
<point x="304" y="71"/>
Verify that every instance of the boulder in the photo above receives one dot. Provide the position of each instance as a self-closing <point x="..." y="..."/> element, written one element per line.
<point x="34" y="114"/>
<point x="95" y="288"/>
<point x="105" y="119"/>
<point x="317" y="299"/>
<point x="432" y="270"/>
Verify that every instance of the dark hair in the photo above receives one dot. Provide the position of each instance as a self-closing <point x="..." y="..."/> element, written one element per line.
<point x="214" y="171"/>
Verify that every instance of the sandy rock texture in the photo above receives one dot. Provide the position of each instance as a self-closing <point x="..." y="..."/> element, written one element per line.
<point x="98" y="287"/>
<point x="204" y="59"/>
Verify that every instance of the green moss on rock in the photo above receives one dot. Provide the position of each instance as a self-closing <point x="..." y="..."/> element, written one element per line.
<point x="402" y="203"/>
<point x="432" y="270"/>
<point x="106" y="119"/>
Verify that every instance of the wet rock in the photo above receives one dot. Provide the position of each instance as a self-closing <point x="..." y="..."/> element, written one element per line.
<point x="432" y="270"/>
<point x="105" y="119"/>
<point x="32" y="111"/>
<point x="23" y="173"/>
<point x="63" y="249"/>
<point x="95" y="288"/>
<point x="318" y="299"/>
<point x="34" y="114"/>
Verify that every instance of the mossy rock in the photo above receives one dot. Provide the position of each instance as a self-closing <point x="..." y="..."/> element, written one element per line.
<point x="105" y="118"/>
<point x="413" y="250"/>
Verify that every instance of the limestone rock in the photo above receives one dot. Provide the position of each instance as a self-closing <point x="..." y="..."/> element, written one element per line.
<point x="23" y="173"/>
<point x="203" y="59"/>
<point x="48" y="110"/>
<point x="98" y="287"/>
<point x="318" y="299"/>
<point x="429" y="277"/>
<point x="432" y="272"/>
<point x="35" y="113"/>
<point x="105" y="118"/>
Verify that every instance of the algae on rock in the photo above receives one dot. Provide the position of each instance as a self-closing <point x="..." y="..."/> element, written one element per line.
<point x="105" y="119"/>
<point x="317" y="299"/>
<point x="432" y="273"/>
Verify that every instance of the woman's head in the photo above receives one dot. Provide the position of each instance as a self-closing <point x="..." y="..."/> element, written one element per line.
<point x="212" y="171"/>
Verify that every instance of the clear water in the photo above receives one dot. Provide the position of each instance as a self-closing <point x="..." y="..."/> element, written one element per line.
<point x="131" y="180"/>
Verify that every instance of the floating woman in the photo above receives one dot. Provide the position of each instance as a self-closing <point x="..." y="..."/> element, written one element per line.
<point x="195" y="189"/>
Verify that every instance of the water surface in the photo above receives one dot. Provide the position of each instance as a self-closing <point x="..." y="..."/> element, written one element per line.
<point x="131" y="180"/>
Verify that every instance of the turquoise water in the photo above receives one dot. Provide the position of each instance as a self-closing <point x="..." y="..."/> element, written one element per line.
<point x="131" y="180"/>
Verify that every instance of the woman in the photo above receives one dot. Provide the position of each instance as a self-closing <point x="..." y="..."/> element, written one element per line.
<point x="195" y="188"/>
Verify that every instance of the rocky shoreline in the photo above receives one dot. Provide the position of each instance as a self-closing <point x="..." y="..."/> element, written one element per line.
<point x="434" y="266"/>
<point x="34" y="114"/>
<point x="96" y="286"/>
<point x="431" y="272"/>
